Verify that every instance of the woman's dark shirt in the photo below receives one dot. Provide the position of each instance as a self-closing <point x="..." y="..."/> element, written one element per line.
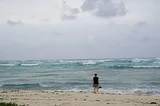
<point x="95" y="80"/>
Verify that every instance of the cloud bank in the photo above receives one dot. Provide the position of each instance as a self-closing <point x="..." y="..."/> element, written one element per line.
<point x="104" y="8"/>
<point x="103" y="29"/>
<point x="99" y="8"/>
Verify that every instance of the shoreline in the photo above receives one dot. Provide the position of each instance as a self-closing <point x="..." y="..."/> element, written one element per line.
<point x="114" y="92"/>
<point x="72" y="98"/>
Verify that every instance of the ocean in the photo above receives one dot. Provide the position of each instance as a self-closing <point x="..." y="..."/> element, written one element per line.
<point x="122" y="76"/>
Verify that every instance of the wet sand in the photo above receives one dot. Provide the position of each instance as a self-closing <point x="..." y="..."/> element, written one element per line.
<point x="63" y="98"/>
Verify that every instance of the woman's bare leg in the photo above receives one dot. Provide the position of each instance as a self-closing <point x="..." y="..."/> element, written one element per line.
<point x="97" y="90"/>
<point x="94" y="89"/>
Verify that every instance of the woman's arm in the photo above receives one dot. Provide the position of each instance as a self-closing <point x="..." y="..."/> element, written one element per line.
<point x="92" y="81"/>
<point x="98" y="81"/>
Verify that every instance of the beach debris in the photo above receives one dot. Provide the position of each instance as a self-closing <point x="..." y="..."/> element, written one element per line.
<point x="1" y="98"/>
<point x="153" y="103"/>
<point x="14" y="90"/>
<point x="14" y="99"/>
<point x="4" y="92"/>
<point x="97" y="100"/>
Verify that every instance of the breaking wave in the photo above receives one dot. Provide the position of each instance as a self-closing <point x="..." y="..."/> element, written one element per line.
<point x="101" y="63"/>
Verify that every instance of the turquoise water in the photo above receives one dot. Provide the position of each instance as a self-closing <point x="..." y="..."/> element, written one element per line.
<point x="125" y="76"/>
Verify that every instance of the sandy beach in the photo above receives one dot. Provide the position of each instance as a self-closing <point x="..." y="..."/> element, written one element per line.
<point x="61" y="98"/>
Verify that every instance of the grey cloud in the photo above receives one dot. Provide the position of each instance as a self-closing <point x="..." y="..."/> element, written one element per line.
<point x="122" y="8"/>
<point x="99" y="8"/>
<point x="88" y="5"/>
<point x="104" y="8"/>
<point x="14" y="22"/>
<point x="69" y="13"/>
<point x="74" y="10"/>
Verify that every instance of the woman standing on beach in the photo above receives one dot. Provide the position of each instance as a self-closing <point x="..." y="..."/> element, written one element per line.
<point x="95" y="83"/>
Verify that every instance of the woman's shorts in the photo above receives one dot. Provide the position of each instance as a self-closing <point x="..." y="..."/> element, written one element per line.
<point x="95" y="85"/>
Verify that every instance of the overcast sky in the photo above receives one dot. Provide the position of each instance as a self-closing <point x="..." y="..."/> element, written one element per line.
<point x="57" y="29"/>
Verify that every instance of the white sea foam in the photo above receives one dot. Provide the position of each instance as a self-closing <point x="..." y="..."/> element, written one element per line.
<point x="146" y="66"/>
<point x="7" y="65"/>
<point x="89" y="62"/>
<point x="29" y="64"/>
<point x="133" y="91"/>
<point x="107" y="60"/>
<point x="45" y="85"/>
<point x="138" y="60"/>
<point x="1" y="84"/>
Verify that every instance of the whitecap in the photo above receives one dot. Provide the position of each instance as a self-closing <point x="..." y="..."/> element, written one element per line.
<point x="7" y="65"/>
<point x="29" y="64"/>
<point x="146" y="66"/>
<point x="89" y="62"/>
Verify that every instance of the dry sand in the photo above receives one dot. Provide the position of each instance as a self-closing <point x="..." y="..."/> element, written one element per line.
<point x="58" y="98"/>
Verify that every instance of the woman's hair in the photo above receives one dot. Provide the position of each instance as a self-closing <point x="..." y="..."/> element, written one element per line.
<point x="95" y="74"/>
